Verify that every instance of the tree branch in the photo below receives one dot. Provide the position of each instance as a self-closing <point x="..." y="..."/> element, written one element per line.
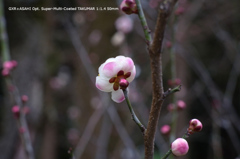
<point x="156" y="71"/>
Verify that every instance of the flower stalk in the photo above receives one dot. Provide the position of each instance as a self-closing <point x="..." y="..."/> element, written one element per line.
<point x="134" y="117"/>
<point x="143" y="20"/>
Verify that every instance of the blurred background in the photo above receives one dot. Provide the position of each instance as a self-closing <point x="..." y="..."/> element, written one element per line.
<point x="59" y="52"/>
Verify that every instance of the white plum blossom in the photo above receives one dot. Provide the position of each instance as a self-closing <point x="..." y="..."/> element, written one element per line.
<point x="113" y="73"/>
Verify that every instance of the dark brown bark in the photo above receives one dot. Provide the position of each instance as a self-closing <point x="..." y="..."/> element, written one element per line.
<point x="156" y="71"/>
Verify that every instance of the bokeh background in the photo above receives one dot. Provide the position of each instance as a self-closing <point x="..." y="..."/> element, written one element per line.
<point x="59" y="52"/>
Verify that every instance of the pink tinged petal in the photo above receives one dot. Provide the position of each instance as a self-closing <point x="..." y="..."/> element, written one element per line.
<point x="103" y="84"/>
<point x="127" y="64"/>
<point x="132" y="76"/>
<point x="111" y="69"/>
<point x="120" y="58"/>
<point x="100" y="69"/>
<point x="179" y="147"/>
<point x="118" y="96"/>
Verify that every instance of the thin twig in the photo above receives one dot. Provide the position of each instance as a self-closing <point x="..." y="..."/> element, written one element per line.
<point x="171" y="91"/>
<point x="134" y="117"/>
<point x="143" y="20"/>
<point x="21" y="121"/>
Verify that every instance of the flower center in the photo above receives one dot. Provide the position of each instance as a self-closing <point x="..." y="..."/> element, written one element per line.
<point x="118" y="78"/>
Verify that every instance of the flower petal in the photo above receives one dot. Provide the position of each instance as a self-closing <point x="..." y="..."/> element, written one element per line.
<point x="126" y="63"/>
<point x="103" y="84"/>
<point x="133" y="73"/>
<point x="118" y="96"/>
<point x="100" y="69"/>
<point x="111" y="69"/>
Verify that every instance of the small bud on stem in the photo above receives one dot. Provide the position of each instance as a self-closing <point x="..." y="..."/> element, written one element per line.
<point x="194" y="126"/>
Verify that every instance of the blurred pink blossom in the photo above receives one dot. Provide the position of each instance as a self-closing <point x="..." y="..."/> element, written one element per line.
<point x="124" y="24"/>
<point x="181" y="105"/>
<point x="165" y="129"/>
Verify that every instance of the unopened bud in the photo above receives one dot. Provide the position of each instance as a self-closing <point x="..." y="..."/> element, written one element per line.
<point x="174" y="82"/>
<point x="14" y="63"/>
<point x="177" y="81"/>
<point x="180" y="10"/>
<point x="24" y="98"/>
<point x="9" y="65"/>
<point x="5" y="72"/>
<point x="194" y="126"/>
<point x="179" y="147"/>
<point x="129" y="6"/>
<point x="123" y="83"/>
<point x="181" y="105"/>
<point x="165" y="129"/>
<point x="16" y="111"/>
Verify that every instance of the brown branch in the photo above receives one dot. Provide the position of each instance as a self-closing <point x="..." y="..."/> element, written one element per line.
<point x="157" y="83"/>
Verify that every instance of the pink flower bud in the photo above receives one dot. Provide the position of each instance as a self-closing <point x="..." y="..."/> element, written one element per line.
<point x="175" y="82"/>
<point x="5" y="72"/>
<point x="16" y="111"/>
<point x="179" y="147"/>
<point x="178" y="81"/>
<point x="181" y="105"/>
<point x="129" y="6"/>
<point x="24" y="98"/>
<point x="14" y="63"/>
<point x="170" y="107"/>
<point x="194" y="126"/>
<point x="8" y="65"/>
<point x="123" y="83"/>
<point x="180" y="10"/>
<point x="165" y="129"/>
